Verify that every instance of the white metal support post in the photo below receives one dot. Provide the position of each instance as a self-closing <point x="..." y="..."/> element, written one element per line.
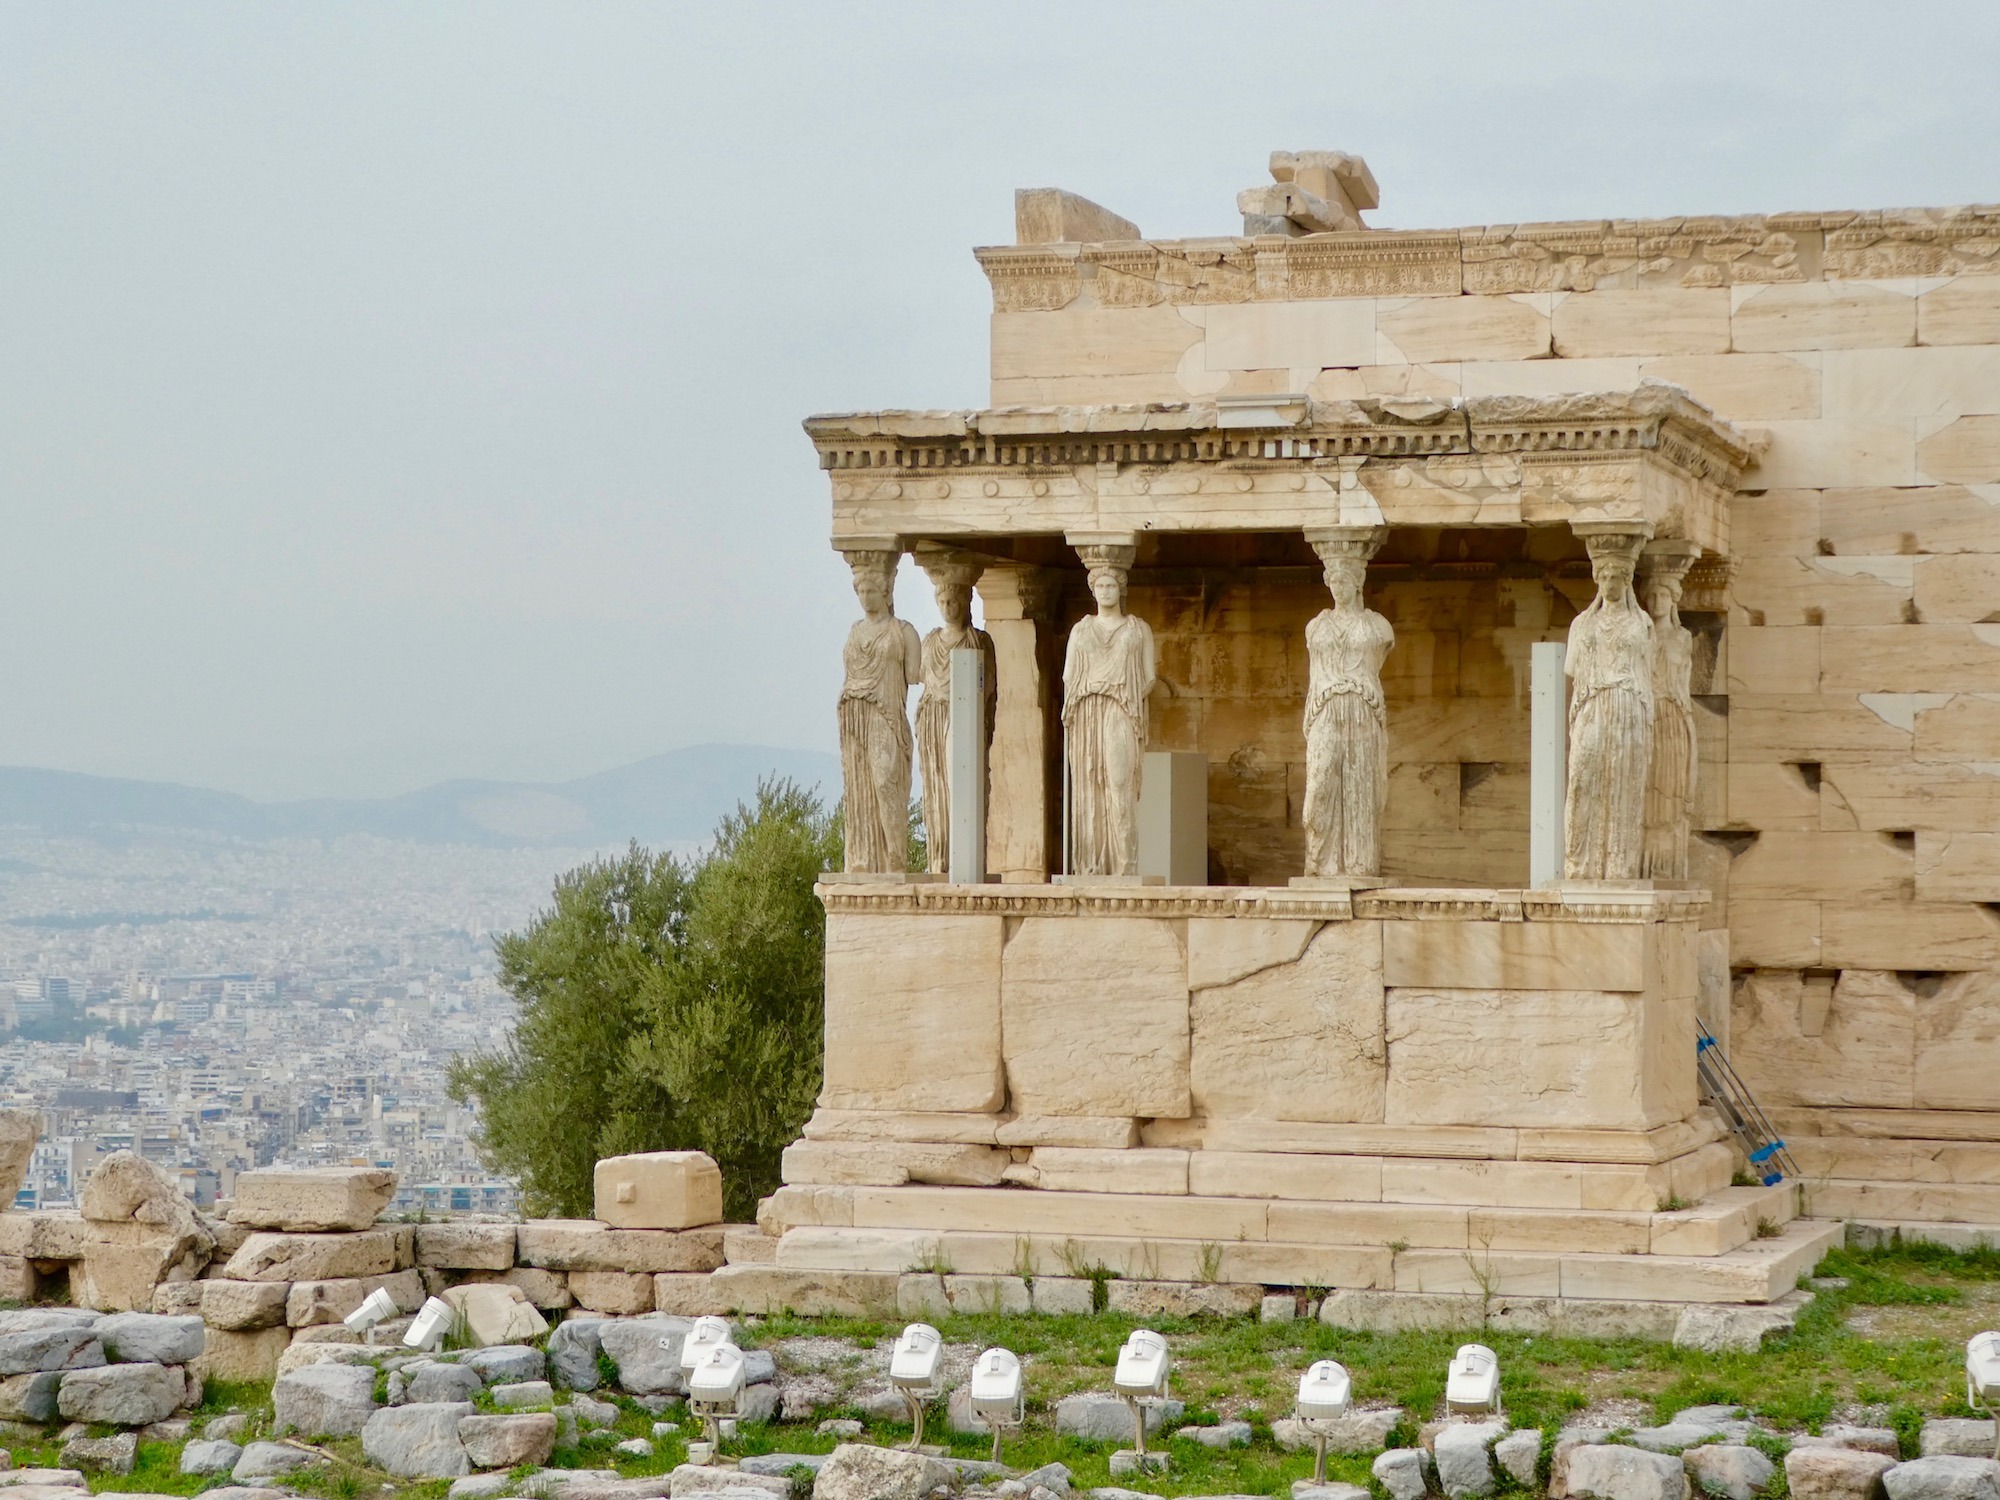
<point x="967" y="865"/>
<point x="1548" y="761"/>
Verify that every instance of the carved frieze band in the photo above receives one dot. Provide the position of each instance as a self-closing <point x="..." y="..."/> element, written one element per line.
<point x="1498" y="259"/>
<point x="1389" y="903"/>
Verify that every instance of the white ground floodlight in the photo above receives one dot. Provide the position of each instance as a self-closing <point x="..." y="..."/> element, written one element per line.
<point x="1324" y="1392"/>
<point x="378" y="1306"/>
<point x="1142" y="1371"/>
<point x="704" y="1336"/>
<point x="1982" y="1378"/>
<point x="1472" y="1382"/>
<point x="996" y="1393"/>
<point x="428" y="1329"/>
<point x="715" y="1389"/>
<point x="913" y="1367"/>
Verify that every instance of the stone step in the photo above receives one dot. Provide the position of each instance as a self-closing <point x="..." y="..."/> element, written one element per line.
<point x="1963" y="1203"/>
<point x="1756" y="1272"/>
<point x="1874" y="1234"/>
<point x="1859" y="1159"/>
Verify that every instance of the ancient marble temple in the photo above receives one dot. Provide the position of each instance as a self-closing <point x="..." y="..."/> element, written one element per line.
<point x="1302" y="501"/>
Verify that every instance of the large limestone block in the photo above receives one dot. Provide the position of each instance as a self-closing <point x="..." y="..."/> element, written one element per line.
<point x="1096" y="1016"/>
<point x="466" y="1247"/>
<point x="1883" y="522"/>
<point x="1958" y="1043"/>
<point x="658" y="1190"/>
<point x="1744" y="388"/>
<point x="1612" y="1471"/>
<point x="242" y="1354"/>
<point x="913" y="1013"/>
<point x="1049" y="216"/>
<point x="1272" y="1174"/>
<point x="1958" y="866"/>
<point x="1111" y="341"/>
<point x="775" y="1289"/>
<point x="19" y="1130"/>
<point x="1967" y="451"/>
<point x="1822" y="315"/>
<point x="892" y="1163"/>
<point x="1642" y="320"/>
<point x="312" y="1303"/>
<point x="324" y="1401"/>
<point x="139" y="1232"/>
<point x="1296" y="1040"/>
<point x="1964" y="310"/>
<point x="496" y="1313"/>
<point x="42" y="1235"/>
<point x="1065" y="1169"/>
<point x="1822" y="1039"/>
<point x="1430" y="330"/>
<point x="586" y="1245"/>
<point x="1517" y="955"/>
<point x="312" y="1201"/>
<point x="1836" y="1473"/>
<point x="1541" y="1057"/>
<point x="240" y="1306"/>
<point x="123" y="1395"/>
<point x="315" y="1257"/>
<point x="418" y="1441"/>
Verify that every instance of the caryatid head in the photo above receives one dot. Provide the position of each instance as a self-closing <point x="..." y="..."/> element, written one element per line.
<point x="1614" y="549"/>
<point x="1108" y="566"/>
<point x="875" y="581"/>
<point x="952" y="582"/>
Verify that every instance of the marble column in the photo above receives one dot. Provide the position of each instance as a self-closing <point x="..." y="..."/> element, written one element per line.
<point x="1609" y="662"/>
<point x="1670" y="780"/>
<point x="1022" y="816"/>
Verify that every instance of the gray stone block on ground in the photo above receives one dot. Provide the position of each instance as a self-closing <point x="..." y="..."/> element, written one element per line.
<point x="1847" y="1435"/>
<point x="840" y="1427"/>
<point x="419" y="1441"/>
<point x="31" y="1397"/>
<point x="63" y="1346"/>
<point x="760" y="1366"/>
<point x="1713" y="1415"/>
<point x="105" y="1455"/>
<point x="246" y="1492"/>
<point x="573" y="1350"/>
<point x="508" y="1441"/>
<point x="1305" y="1489"/>
<point x="436" y="1381"/>
<point x="1731" y="1471"/>
<point x="269" y="1460"/>
<point x="502" y="1363"/>
<point x="1675" y="1437"/>
<point x="1403" y="1472"/>
<point x="1463" y="1453"/>
<point x="521" y="1393"/>
<point x="778" y="1463"/>
<point x="122" y="1395"/>
<point x="210" y="1456"/>
<point x="151" y="1338"/>
<point x="855" y="1472"/>
<point x="230" y="1426"/>
<point x="1357" y="1432"/>
<point x="758" y="1403"/>
<point x="1222" y="1435"/>
<point x="323" y="1401"/>
<point x="1519" y="1455"/>
<point x="1612" y="1471"/>
<point x="1835" y="1473"/>
<point x="593" y="1413"/>
<point x="1946" y="1477"/>
<point x="1956" y="1437"/>
<point x="634" y="1448"/>
<point x="690" y="1480"/>
<point x="1099" y="1418"/>
<point x="647" y="1352"/>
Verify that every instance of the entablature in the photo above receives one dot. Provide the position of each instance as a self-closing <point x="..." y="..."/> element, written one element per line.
<point x="1652" y="454"/>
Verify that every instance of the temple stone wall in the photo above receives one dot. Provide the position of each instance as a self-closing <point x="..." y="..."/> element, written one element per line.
<point x="1849" y="822"/>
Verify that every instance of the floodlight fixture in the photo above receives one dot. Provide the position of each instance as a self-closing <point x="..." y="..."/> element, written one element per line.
<point x="378" y="1306"/>
<point x="1472" y="1382"/>
<point x="433" y="1320"/>
<point x="1142" y="1371"/>
<point x="996" y="1394"/>
<point x="913" y="1368"/>
<point x="1982" y="1378"/>
<point x="704" y="1336"/>
<point x="1324" y="1392"/>
<point x="715" y="1389"/>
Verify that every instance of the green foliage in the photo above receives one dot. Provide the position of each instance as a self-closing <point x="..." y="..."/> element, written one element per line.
<point x="665" y="1004"/>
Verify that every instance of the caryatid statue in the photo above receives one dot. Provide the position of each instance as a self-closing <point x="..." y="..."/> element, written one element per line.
<point x="1347" y="735"/>
<point x="953" y="582"/>
<point x="882" y="661"/>
<point x="1610" y="666"/>
<point x="1107" y="673"/>
<point x="1670" y="779"/>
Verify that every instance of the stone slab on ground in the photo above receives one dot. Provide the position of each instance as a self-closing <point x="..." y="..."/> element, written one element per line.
<point x="517" y="1394"/>
<point x="268" y="1460"/>
<point x="501" y="1363"/>
<point x="1365" y="1431"/>
<point x="1835" y="1473"/>
<point x="1715" y="1328"/>
<point x="123" y="1395"/>
<point x="418" y="1441"/>
<point x="694" y="1479"/>
<point x="1464" y="1458"/>
<point x="70" y="1346"/>
<point x="272" y="1256"/>
<point x="435" y="1381"/>
<point x="496" y="1312"/>
<point x="30" y="1397"/>
<point x="210" y="1456"/>
<point x="1403" y="1472"/>
<point x="1946" y="1477"/>
<point x="508" y="1441"/>
<point x="856" y="1472"/>
<point x="148" y="1338"/>
<point x="1519" y="1454"/>
<point x="105" y="1455"/>
<point x="314" y="1200"/>
<point x="1731" y="1471"/>
<point x="242" y="1305"/>
<point x="466" y="1247"/>
<point x="323" y="1401"/>
<point x="647" y="1352"/>
<point x="572" y="1353"/>
<point x="1959" y="1437"/>
<point x="1100" y="1418"/>
<point x="587" y="1245"/>
<point x="1221" y="1435"/>
<point x="1603" y="1471"/>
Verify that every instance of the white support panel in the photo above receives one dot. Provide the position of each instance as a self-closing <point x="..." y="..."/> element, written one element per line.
<point x="1548" y="761"/>
<point x="1173" y="817"/>
<point x="967" y="738"/>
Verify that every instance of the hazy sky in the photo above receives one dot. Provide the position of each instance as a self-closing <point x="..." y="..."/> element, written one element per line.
<point x="399" y="391"/>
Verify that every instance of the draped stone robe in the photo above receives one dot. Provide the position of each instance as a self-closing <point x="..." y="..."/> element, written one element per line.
<point x="882" y="659"/>
<point x="1347" y="741"/>
<point x="1107" y="673"/>
<point x="1610" y="666"/>
<point x="1670" y="780"/>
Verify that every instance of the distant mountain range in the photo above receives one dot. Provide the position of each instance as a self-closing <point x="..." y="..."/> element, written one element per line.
<point x="673" y="798"/>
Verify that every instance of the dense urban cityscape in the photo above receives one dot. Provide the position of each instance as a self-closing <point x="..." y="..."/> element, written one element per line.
<point x="220" y="1005"/>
